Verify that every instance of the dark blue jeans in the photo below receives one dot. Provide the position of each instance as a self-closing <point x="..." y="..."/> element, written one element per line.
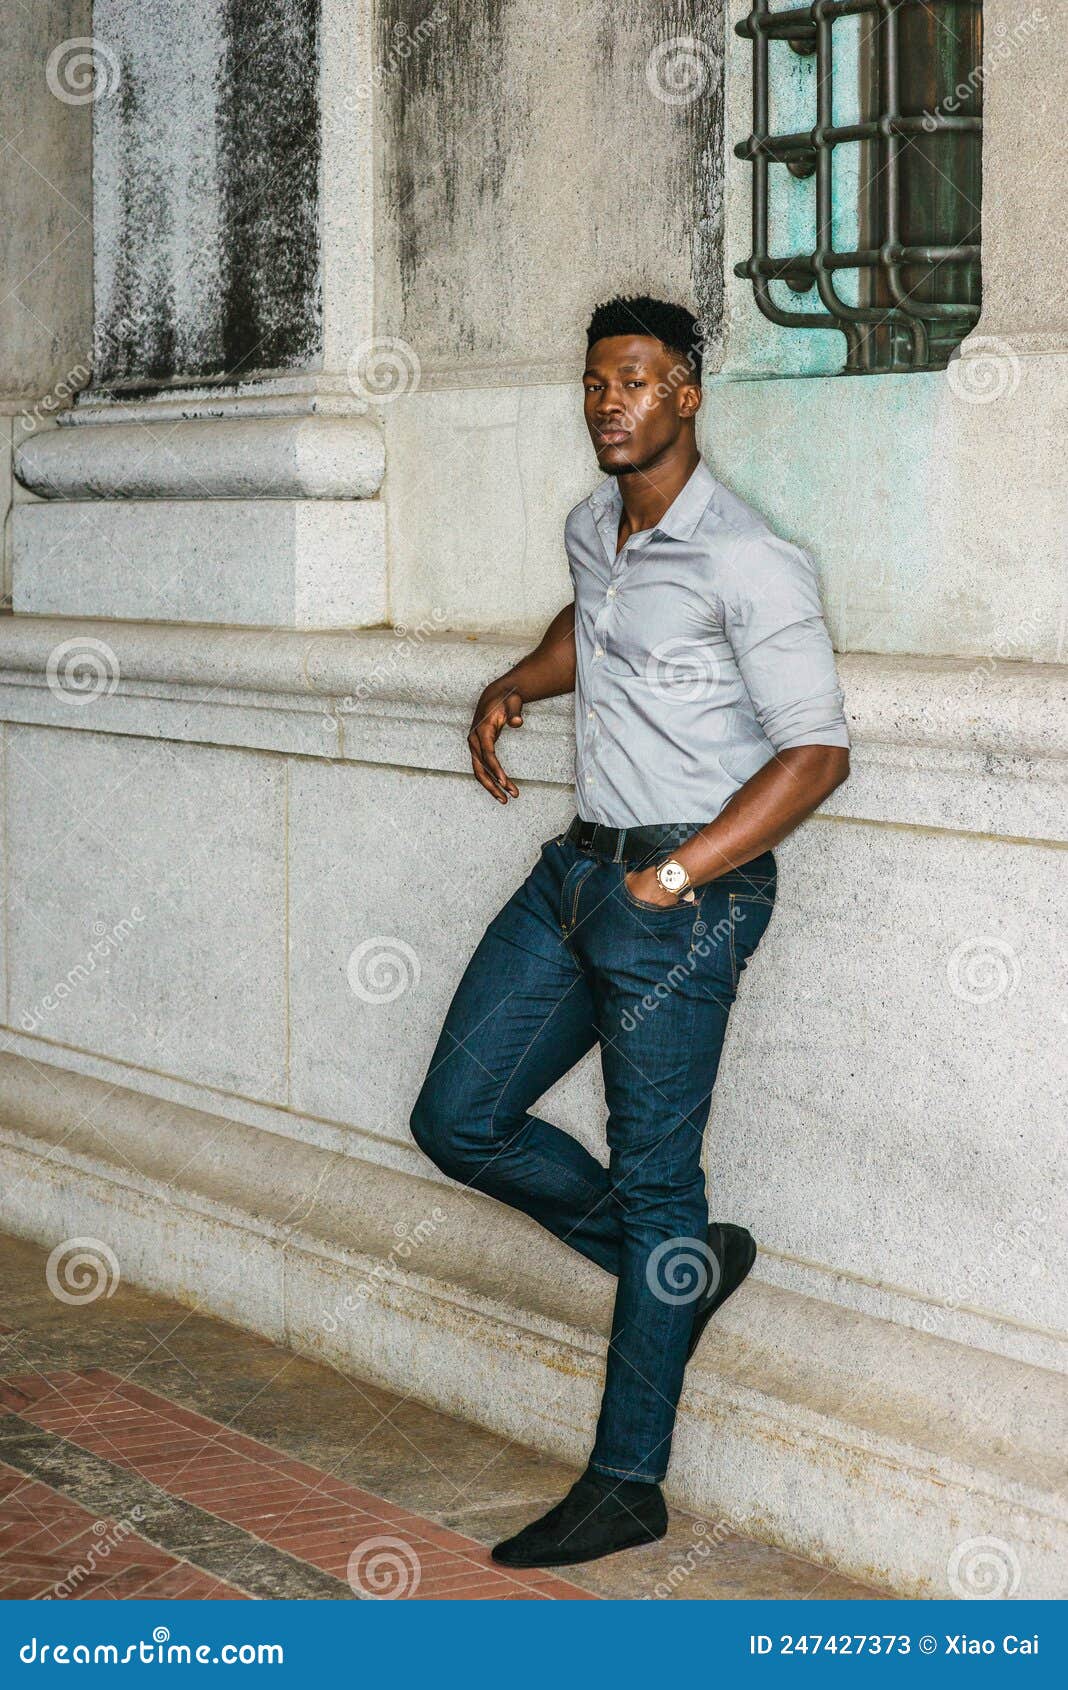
<point x="573" y="959"/>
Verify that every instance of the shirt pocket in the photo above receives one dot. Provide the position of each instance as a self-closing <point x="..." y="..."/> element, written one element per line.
<point x="664" y="635"/>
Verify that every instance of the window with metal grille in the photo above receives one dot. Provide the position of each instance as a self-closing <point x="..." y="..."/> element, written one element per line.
<point x="880" y="227"/>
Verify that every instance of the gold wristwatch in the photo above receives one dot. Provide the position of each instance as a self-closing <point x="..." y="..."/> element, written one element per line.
<point x="674" y="878"/>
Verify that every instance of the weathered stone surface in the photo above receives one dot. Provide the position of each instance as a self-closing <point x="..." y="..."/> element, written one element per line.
<point x="284" y="563"/>
<point x="206" y="171"/>
<point x="257" y="457"/>
<point x="145" y="917"/>
<point x="575" y="147"/>
<point x="46" y="215"/>
<point x="875" y="1449"/>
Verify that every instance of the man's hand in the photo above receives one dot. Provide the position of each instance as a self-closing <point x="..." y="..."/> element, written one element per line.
<point x="500" y="706"/>
<point x="642" y="884"/>
<point x="548" y="671"/>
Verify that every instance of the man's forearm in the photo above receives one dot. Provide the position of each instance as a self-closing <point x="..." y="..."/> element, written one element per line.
<point x="767" y="808"/>
<point x="550" y="668"/>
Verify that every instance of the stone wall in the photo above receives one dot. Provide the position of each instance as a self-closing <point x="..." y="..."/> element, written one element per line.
<point x="253" y="609"/>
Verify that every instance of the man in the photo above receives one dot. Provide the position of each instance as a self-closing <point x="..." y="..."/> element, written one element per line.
<point x="708" y="722"/>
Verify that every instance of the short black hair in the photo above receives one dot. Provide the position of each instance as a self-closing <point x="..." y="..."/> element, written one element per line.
<point x="673" y="324"/>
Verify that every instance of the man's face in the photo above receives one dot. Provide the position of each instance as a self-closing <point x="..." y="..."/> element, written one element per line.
<point x="639" y="399"/>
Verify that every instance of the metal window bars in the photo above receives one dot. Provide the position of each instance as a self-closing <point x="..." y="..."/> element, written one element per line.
<point x="919" y="132"/>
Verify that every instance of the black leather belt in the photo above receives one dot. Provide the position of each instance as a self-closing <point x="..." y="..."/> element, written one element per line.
<point x="629" y="844"/>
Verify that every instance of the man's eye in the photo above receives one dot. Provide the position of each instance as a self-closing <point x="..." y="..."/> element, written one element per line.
<point x="635" y="384"/>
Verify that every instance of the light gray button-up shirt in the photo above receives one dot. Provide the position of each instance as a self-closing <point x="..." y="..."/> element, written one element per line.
<point x="701" y="652"/>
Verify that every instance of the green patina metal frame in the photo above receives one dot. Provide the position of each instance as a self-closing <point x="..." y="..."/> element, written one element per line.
<point x="918" y="257"/>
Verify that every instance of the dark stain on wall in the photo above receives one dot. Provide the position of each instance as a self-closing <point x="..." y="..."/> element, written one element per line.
<point x="264" y="312"/>
<point x="138" y="337"/>
<point x="445" y="100"/>
<point x="498" y="118"/>
<point x="684" y="46"/>
<point x="268" y="137"/>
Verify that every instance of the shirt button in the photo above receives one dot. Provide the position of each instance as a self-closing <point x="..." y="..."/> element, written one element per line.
<point x="589" y="712"/>
<point x="611" y="592"/>
<point x="597" y="651"/>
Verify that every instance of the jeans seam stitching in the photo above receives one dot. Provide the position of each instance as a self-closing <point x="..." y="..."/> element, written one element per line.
<point x="518" y="1061"/>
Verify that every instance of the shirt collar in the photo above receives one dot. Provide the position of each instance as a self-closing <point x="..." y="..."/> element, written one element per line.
<point x="680" y="519"/>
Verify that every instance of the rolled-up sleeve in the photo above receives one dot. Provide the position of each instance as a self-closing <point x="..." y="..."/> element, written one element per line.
<point x="774" y="623"/>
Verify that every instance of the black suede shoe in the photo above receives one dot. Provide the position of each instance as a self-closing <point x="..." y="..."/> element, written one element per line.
<point x="735" y="1250"/>
<point x="598" y="1515"/>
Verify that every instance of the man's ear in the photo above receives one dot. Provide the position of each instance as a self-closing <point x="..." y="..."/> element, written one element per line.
<point x="689" y="400"/>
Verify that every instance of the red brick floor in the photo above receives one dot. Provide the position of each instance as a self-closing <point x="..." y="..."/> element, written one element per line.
<point x="50" y="1547"/>
<point x="378" y="1549"/>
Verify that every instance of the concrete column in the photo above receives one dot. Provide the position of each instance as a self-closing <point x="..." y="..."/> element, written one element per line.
<point x="222" y="465"/>
<point x="1025" y="163"/>
<point x="45" y="230"/>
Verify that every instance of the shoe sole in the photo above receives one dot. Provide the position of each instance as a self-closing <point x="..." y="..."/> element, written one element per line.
<point x="749" y="1256"/>
<point x="574" y="1560"/>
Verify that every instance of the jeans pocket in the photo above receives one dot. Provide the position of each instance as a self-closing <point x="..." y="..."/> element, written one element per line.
<point x="748" y="917"/>
<point x="659" y="909"/>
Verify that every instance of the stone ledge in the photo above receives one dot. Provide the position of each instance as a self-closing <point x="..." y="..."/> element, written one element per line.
<point x="984" y="705"/>
<point x="365" y="1142"/>
<point x="975" y="746"/>
<point x="845" y="1438"/>
<point x="251" y="458"/>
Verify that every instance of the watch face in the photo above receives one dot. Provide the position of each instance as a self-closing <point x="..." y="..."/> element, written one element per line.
<point x="672" y="876"/>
